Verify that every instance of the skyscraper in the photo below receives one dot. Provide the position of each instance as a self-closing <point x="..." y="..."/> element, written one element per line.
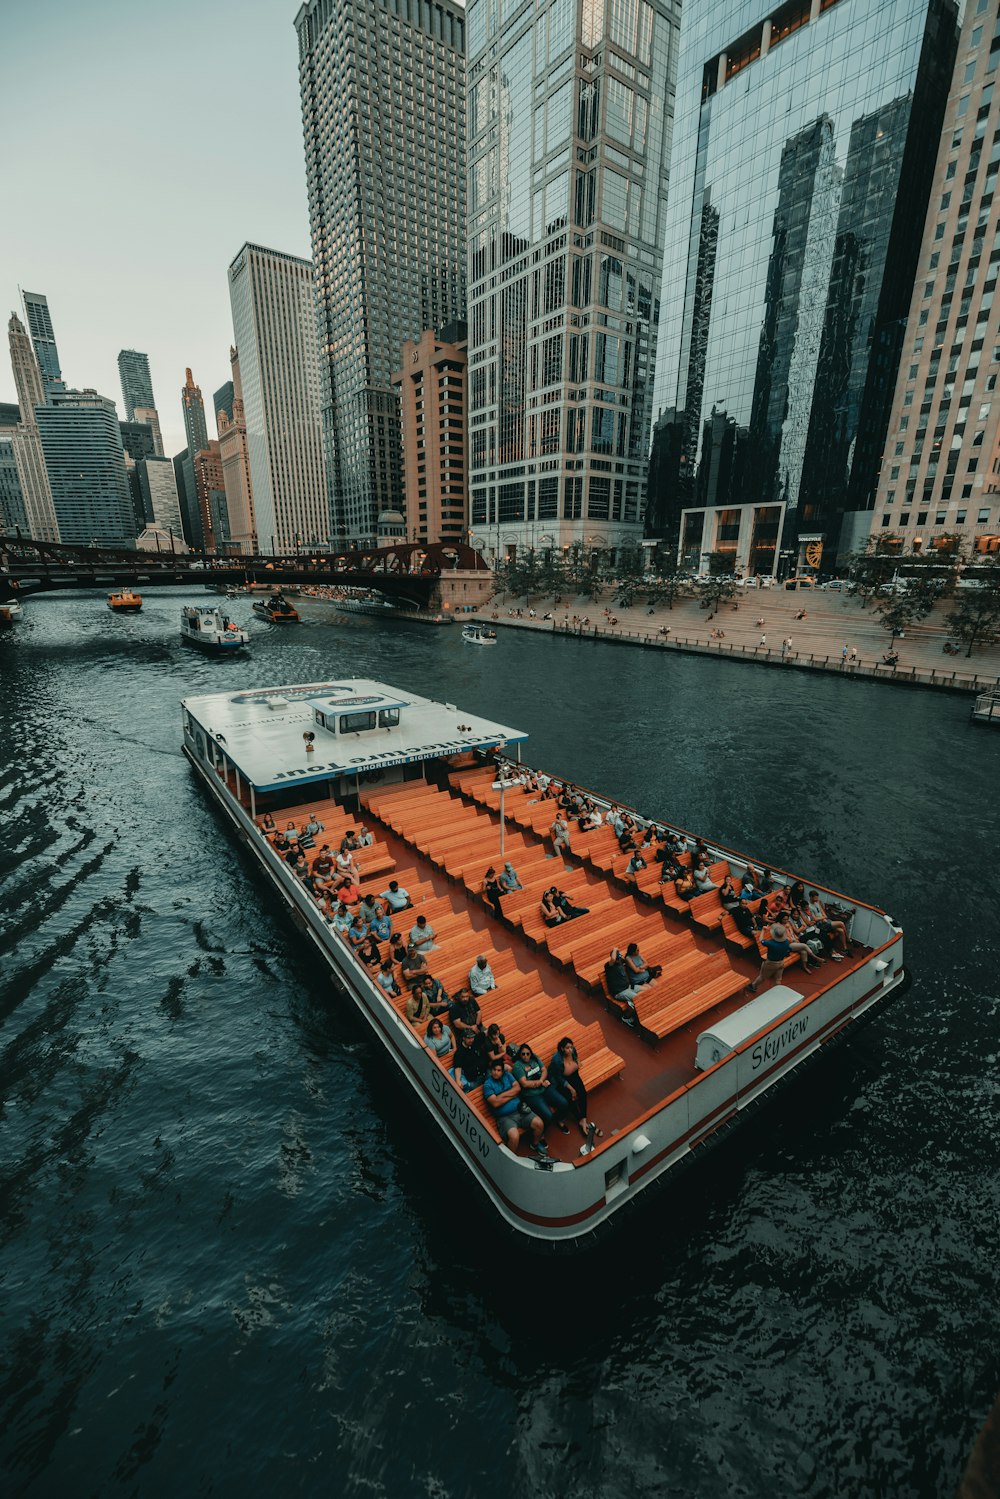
<point x="196" y="432"/>
<point x="43" y="339"/>
<point x="150" y="417"/>
<point x="236" y="466"/>
<point x="137" y="387"/>
<point x="940" y="475"/>
<point x="85" y="461"/>
<point x="210" y="490"/>
<point x="40" y="520"/>
<point x="569" y="111"/>
<point x="222" y="400"/>
<point x="13" y="516"/>
<point x="193" y="408"/>
<point x="383" y="108"/>
<point x="158" y="488"/>
<point x="274" y="323"/>
<point x="803" y="152"/>
<point x="434" y="416"/>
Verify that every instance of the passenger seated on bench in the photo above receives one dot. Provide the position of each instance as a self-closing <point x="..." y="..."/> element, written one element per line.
<point x="369" y="952"/>
<point x="496" y="1044"/>
<point x="492" y="891"/>
<point x="728" y="894"/>
<point x="748" y="887"/>
<point x="622" y="984"/>
<point x="481" y="976"/>
<point x="635" y="864"/>
<point x="386" y="980"/>
<point x="509" y="879"/>
<point x="550" y="911"/>
<point x="825" y="922"/>
<point x="616" y="820"/>
<point x="684" y="884"/>
<point x="422" y="936"/>
<point x="502" y="1093"/>
<point x="427" y="999"/>
<point x="381" y="926"/>
<point x="589" y="819"/>
<point x="279" y="843"/>
<point x="537" y="1090"/>
<point x="364" y="838"/>
<point x="702" y="879"/>
<point x="347" y="865"/>
<point x="768" y="883"/>
<point x="439" y="1040"/>
<point x="396" y="897"/>
<point x="349" y="841"/>
<point x="268" y="825"/>
<point x="342" y="918"/>
<point x="357" y="932"/>
<point x="626" y="839"/>
<point x="638" y="969"/>
<point x="671" y="869"/>
<point x="470" y="1064"/>
<point x="312" y="828"/>
<point x="464" y="1012"/>
<point x="413" y="965"/>
<point x="323" y="862"/>
<point x="649" y="837"/>
<point x="564" y="1069"/>
<point x="568" y="910"/>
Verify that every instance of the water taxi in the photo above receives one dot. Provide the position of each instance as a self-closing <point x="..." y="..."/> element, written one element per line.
<point x="986" y="707"/>
<point x="277" y="610"/>
<point x="124" y="601"/>
<point x="211" y="630"/>
<point x="477" y="634"/>
<point x="445" y="802"/>
<point x="10" y="611"/>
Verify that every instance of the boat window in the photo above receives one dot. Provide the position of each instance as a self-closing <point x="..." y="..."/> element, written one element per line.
<point x="321" y="719"/>
<point x="388" y="718"/>
<point x="353" y="723"/>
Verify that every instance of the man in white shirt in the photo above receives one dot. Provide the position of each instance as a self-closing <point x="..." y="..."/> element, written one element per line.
<point x="396" y="897"/>
<point x="481" y="978"/>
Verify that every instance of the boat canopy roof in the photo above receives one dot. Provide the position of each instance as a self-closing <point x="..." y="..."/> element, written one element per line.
<point x="356" y="725"/>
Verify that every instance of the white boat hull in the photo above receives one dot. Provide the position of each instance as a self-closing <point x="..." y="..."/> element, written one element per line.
<point x="569" y="1204"/>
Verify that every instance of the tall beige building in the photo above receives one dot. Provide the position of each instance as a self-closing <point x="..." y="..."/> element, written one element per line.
<point x="274" y="320"/>
<point x="433" y="409"/>
<point x="940" y="474"/>
<point x="25" y="438"/>
<point x="236" y="468"/>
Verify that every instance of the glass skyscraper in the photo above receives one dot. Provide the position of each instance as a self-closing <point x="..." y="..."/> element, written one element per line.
<point x="137" y="385"/>
<point x="383" y="111"/>
<point x="804" y="148"/>
<point x="82" y="442"/>
<point x="274" y="325"/>
<point x="570" y="110"/>
<point x="43" y="339"/>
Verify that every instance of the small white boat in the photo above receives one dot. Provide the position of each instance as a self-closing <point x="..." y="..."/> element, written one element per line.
<point x="212" y="630"/>
<point x="10" y="611"/>
<point x="479" y="635"/>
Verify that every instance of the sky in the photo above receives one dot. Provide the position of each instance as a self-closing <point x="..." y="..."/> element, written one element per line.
<point x="145" y="144"/>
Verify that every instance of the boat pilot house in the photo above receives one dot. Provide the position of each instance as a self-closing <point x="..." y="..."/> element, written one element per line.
<point x="580" y="998"/>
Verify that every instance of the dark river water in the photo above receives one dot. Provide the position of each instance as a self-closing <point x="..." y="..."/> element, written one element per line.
<point x="229" y="1265"/>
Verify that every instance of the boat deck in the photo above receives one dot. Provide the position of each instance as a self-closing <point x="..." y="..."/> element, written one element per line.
<point x="439" y="839"/>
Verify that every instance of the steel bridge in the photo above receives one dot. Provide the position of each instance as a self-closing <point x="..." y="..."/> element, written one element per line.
<point x="404" y="571"/>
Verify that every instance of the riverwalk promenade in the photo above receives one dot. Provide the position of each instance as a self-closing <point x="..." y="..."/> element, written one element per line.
<point x="835" y="634"/>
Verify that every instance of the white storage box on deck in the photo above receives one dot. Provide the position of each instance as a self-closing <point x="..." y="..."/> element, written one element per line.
<point x="738" y="1027"/>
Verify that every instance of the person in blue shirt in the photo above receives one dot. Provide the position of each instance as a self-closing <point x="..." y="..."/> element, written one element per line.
<point x="511" y="1114"/>
<point x="509" y="879"/>
<point x="381" y="927"/>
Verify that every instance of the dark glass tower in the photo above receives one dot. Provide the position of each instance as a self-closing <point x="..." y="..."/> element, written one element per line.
<point x="383" y="115"/>
<point x="137" y="386"/>
<point x="803" y="154"/>
<point x="43" y="338"/>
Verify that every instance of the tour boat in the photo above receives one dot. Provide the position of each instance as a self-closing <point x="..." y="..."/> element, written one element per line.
<point x="479" y="635"/>
<point x="212" y="630"/>
<point x="10" y="611"/>
<point x="124" y="602"/>
<point x="277" y="610"/>
<point x="444" y="800"/>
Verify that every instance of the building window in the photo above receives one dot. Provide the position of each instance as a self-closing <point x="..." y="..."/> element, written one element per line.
<point x="983" y="517"/>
